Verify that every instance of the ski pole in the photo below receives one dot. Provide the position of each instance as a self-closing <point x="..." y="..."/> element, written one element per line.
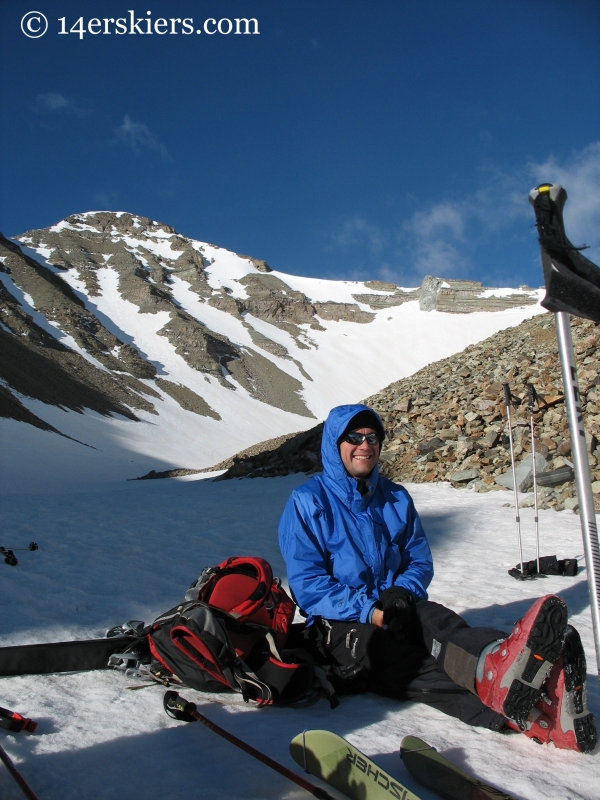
<point x="31" y="546"/>
<point x="9" y="556"/>
<point x="508" y="401"/>
<point x="16" y="775"/>
<point x="179" y="708"/>
<point x="572" y="287"/>
<point x="532" y="396"/>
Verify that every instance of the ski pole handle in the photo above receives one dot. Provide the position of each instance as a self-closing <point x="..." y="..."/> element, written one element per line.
<point x="179" y="708"/>
<point x="531" y="396"/>
<point x="507" y="394"/>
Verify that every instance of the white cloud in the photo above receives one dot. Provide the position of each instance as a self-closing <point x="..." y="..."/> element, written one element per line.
<point x="440" y="219"/>
<point x="139" y="137"/>
<point x="357" y="232"/>
<point x="580" y="176"/>
<point x="440" y="239"/>
<point x="52" y="101"/>
<point x="431" y="240"/>
<point x="56" y="104"/>
<point x="450" y="237"/>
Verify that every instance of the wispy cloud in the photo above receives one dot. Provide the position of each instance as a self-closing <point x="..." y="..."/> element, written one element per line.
<point x="139" y="137"/>
<point x="107" y="199"/>
<point x="580" y="176"/>
<point x="453" y="237"/>
<point x="441" y="239"/>
<point x="58" y="103"/>
<point x="431" y="239"/>
<point x="52" y="101"/>
<point x="357" y="232"/>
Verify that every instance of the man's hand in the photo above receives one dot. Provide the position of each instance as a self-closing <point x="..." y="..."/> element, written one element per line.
<point x="377" y="618"/>
<point x="398" y="609"/>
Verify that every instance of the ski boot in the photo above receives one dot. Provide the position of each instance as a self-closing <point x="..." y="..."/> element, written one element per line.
<point x="514" y="671"/>
<point x="537" y="727"/>
<point x="563" y="700"/>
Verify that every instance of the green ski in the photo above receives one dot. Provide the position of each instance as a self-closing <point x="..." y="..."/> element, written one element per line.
<point x="331" y="758"/>
<point x="437" y="773"/>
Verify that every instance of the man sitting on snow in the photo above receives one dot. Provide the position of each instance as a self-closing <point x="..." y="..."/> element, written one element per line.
<point x="359" y="565"/>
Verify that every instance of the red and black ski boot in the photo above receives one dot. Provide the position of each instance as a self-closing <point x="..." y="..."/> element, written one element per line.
<point x="516" y="668"/>
<point x="563" y="701"/>
<point x="537" y="727"/>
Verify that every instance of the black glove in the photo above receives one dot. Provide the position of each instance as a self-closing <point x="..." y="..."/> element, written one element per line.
<point x="398" y="609"/>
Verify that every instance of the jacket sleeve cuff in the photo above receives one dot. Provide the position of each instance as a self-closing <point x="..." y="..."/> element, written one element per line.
<point x="366" y="615"/>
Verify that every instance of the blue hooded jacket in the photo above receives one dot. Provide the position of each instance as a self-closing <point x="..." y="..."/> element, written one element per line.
<point x="341" y="548"/>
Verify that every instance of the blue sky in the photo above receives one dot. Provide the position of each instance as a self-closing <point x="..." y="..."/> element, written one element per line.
<point x="383" y="139"/>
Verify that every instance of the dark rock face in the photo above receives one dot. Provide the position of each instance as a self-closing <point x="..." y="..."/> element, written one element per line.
<point x="128" y="245"/>
<point x="463" y="297"/>
<point x="343" y="311"/>
<point x="35" y="363"/>
<point x="377" y="301"/>
<point x="187" y="398"/>
<point x="58" y="303"/>
<point x="447" y="422"/>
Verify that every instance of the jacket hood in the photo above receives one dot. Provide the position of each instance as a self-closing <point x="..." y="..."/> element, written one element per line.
<point x="334" y="471"/>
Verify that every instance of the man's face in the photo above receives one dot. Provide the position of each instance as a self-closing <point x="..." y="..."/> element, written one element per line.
<point x="359" y="460"/>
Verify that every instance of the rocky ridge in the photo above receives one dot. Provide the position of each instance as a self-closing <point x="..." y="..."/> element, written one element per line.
<point x="447" y="422"/>
<point x="97" y="371"/>
<point x="146" y="256"/>
<point x="66" y="353"/>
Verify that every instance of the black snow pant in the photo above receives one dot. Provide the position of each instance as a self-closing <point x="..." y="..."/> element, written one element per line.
<point x="434" y="662"/>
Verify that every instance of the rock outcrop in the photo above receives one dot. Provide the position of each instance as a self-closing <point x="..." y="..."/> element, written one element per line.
<point x="451" y="296"/>
<point x="146" y="256"/>
<point x="447" y="422"/>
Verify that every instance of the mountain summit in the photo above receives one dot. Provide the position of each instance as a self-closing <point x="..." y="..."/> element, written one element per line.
<point x="125" y="319"/>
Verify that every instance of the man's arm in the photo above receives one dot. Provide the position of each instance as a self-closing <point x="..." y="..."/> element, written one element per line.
<point x="415" y="570"/>
<point x="303" y="543"/>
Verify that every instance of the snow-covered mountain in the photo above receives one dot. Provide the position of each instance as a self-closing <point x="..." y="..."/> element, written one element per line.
<point x="155" y="351"/>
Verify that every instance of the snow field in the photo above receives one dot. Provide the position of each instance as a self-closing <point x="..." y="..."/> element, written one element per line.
<point x="130" y="550"/>
<point x="346" y="362"/>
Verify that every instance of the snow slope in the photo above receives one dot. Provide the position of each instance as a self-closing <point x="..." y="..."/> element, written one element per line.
<point x="350" y="363"/>
<point x="342" y="361"/>
<point x="129" y="551"/>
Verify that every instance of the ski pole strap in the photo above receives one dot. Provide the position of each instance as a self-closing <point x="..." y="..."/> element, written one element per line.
<point x="15" y="722"/>
<point x="179" y="708"/>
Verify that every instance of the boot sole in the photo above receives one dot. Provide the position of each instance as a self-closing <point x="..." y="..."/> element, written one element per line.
<point x="542" y="649"/>
<point x="575" y="668"/>
<point x="575" y="671"/>
<point x="585" y="733"/>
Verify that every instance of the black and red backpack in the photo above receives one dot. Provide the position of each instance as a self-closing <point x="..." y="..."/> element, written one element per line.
<point x="230" y="633"/>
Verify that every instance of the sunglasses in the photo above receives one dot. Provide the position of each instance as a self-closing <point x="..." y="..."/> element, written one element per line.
<point x="358" y="438"/>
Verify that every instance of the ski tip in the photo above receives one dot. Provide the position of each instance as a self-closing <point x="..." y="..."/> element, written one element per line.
<point x="412" y="744"/>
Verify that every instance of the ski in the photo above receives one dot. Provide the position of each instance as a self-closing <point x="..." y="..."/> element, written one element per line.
<point x="337" y="762"/>
<point x="437" y="773"/>
<point x="76" y="656"/>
